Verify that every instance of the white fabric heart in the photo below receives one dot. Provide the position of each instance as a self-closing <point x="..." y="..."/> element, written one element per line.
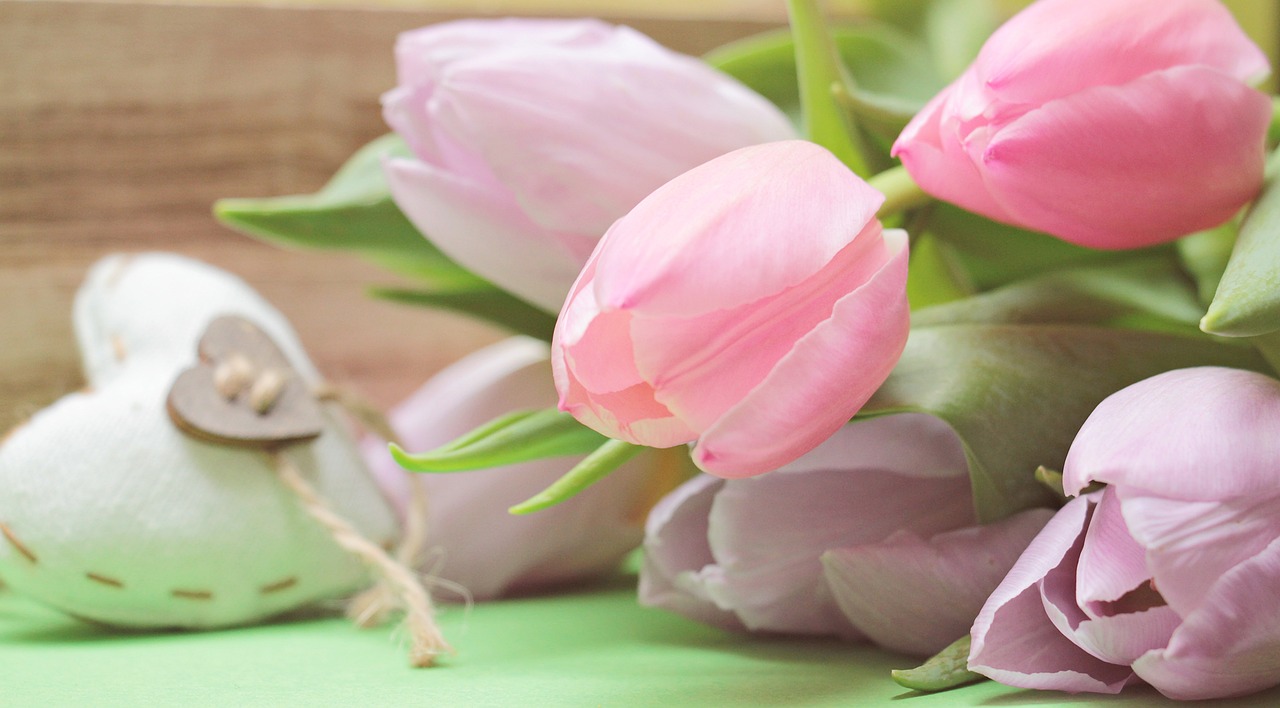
<point x="110" y="513"/>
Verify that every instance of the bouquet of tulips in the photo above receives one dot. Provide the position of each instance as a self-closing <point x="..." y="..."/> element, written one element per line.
<point x="952" y="338"/>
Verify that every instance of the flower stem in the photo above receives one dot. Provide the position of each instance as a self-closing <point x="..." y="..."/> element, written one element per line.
<point x="900" y="191"/>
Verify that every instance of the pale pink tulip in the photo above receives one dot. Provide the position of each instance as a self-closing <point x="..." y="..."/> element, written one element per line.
<point x="532" y="136"/>
<point x="871" y="535"/>
<point x="752" y="304"/>
<point x="1108" y="124"/>
<point x="474" y="541"/>
<point x="1170" y="574"/>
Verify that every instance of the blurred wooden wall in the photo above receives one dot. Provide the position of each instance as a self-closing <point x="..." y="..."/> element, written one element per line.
<point x="121" y="123"/>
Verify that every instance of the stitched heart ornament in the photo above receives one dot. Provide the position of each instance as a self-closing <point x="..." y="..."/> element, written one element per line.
<point x="111" y="512"/>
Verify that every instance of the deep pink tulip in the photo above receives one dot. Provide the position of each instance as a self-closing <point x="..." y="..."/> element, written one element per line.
<point x="1108" y="124"/>
<point x="1171" y="574"/>
<point x="474" y="542"/>
<point x="871" y="535"/>
<point x="752" y="304"/>
<point x="532" y="136"/>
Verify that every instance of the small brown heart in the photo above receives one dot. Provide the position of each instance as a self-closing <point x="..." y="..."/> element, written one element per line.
<point x="244" y="391"/>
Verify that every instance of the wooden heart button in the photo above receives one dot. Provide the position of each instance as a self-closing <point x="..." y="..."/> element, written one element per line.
<point x="243" y="392"/>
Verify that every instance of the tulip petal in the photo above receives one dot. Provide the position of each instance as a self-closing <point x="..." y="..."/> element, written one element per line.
<point x="1230" y="646"/>
<point x="932" y="148"/>
<point x="540" y="137"/>
<point x="728" y="212"/>
<point x="1172" y="431"/>
<point x="1070" y="165"/>
<point x="483" y="230"/>
<point x="703" y="365"/>
<point x="677" y="557"/>
<point x="915" y="445"/>
<point x="1014" y="640"/>
<point x="916" y="596"/>
<point x="768" y="533"/>
<point x="1191" y="544"/>
<point x="1111" y="562"/>
<point x="1078" y="45"/>
<point x="820" y="383"/>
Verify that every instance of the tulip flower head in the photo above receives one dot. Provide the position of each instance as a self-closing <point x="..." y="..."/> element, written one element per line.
<point x="752" y="304"/>
<point x="1108" y="124"/>
<point x="531" y="137"/>
<point x="1171" y="574"/>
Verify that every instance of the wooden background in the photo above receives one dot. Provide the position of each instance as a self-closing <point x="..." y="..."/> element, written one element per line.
<point x="120" y="124"/>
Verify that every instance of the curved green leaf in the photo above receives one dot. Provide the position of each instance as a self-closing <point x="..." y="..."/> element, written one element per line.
<point x="517" y="437"/>
<point x="1247" y="302"/>
<point x="607" y="458"/>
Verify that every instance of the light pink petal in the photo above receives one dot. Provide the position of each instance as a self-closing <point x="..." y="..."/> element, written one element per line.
<point x="1014" y="640"/>
<point x="1178" y="432"/>
<point x="1231" y="645"/>
<point x="677" y="557"/>
<point x="419" y="52"/>
<point x="768" y="533"/>
<point x="820" y="383"/>
<point x="702" y="366"/>
<point x="1191" y="544"/>
<point x="484" y="231"/>
<point x="1112" y="563"/>
<point x="578" y="146"/>
<point x="910" y="444"/>
<point x="916" y="596"/>
<point x="932" y="148"/>
<point x="1116" y="632"/>
<point x="1058" y="47"/>
<point x="1071" y="166"/>
<point x="709" y="239"/>
<point x="473" y="540"/>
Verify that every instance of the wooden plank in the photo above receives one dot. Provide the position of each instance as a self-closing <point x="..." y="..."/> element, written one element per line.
<point x="120" y="124"/>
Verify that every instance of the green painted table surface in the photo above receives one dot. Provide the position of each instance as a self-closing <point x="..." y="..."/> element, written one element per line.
<point x="589" y="648"/>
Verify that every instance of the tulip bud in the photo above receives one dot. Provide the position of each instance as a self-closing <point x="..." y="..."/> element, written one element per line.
<point x="1108" y="124"/>
<point x="752" y="304"/>
<point x="1169" y="575"/>
<point x="532" y="136"/>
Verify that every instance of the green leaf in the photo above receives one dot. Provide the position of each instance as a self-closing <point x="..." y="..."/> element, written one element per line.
<point x="354" y="212"/>
<point x="598" y="465"/>
<point x="1141" y="291"/>
<point x="486" y="303"/>
<point x="1016" y="371"/>
<point x="516" y="437"/>
<point x="948" y="668"/>
<point x="819" y="71"/>
<point x="934" y="274"/>
<point x="996" y="254"/>
<point x="1247" y="302"/>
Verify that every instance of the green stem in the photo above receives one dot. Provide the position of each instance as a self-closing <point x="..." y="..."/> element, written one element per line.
<point x="900" y="191"/>
<point x="595" y="467"/>
<point x="1273" y="132"/>
<point x="819" y="71"/>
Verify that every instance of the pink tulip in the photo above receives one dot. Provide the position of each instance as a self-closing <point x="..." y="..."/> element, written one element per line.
<point x="1108" y="124"/>
<point x="871" y="535"/>
<point x="474" y="541"/>
<point x="1171" y="574"/>
<point x="531" y="137"/>
<point x="752" y="304"/>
